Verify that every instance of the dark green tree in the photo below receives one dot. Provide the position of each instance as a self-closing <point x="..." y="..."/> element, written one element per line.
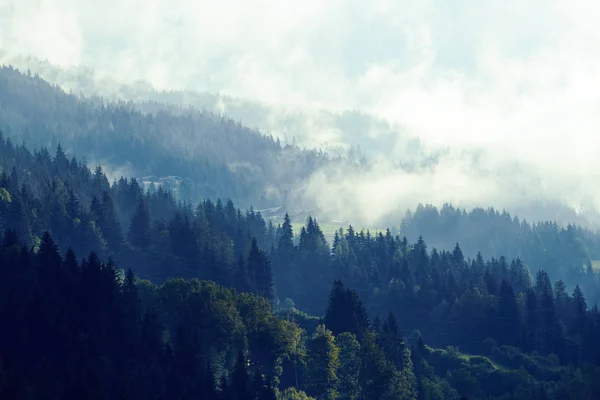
<point x="139" y="231"/>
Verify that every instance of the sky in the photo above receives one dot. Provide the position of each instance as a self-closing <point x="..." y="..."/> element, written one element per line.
<point x="517" y="81"/>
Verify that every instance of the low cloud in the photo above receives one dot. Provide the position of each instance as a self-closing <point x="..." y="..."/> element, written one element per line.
<point x="510" y="90"/>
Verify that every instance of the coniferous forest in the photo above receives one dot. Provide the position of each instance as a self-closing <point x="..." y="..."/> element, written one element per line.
<point x="109" y="290"/>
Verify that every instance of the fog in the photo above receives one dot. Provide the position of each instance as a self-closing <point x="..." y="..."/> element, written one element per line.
<point x="511" y="90"/>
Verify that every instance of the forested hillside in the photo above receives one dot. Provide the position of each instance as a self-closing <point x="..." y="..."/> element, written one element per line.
<point x="309" y="129"/>
<point x="80" y="330"/>
<point x="113" y="335"/>
<point x="566" y="252"/>
<point x="215" y="156"/>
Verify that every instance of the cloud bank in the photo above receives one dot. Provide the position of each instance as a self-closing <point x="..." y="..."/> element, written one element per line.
<point x="511" y="88"/>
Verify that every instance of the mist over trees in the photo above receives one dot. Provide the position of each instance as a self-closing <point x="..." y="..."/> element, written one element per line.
<point x="110" y="288"/>
<point x="394" y="319"/>
<point x="164" y="139"/>
<point x="214" y="156"/>
<point x="566" y="252"/>
<point x="290" y="125"/>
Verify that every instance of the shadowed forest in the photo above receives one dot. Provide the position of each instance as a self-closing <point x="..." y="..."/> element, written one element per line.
<point x="111" y="288"/>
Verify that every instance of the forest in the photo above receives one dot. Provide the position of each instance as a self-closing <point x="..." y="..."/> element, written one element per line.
<point x="112" y="291"/>
<point x="566" y="252"/>
<point x="214" y="155"/>
<point x="297" y="125"/>
<point x="113" y="288"/>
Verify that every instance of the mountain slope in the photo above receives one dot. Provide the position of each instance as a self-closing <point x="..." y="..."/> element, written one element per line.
<point x="510" y="336"/>
<point x="214" y="155"/>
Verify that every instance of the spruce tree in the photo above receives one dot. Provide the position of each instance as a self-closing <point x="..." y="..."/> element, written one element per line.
<point x="509" y="321"/>
<point x="259" y="268"/>
<point x="323" y="362"/>
<point x="139" y="231"/>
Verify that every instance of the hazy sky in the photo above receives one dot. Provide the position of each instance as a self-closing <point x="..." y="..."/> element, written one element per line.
<point x="519" y="79"/>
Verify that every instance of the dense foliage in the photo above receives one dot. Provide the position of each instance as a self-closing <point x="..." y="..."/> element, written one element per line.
<point x="85" y="330"/>
<point x="504" y="335"/>
<point x="220" y="303"/>
<point x="79" y="330"/>
<point x="212" y="156"/>
<point x="565" y="252"/>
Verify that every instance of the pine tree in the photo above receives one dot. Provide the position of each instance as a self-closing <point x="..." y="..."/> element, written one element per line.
<point x="96" y="210"/>
<point x="549" y="330"/>
<point x="242" y="281"/>
<point x="562" y="300"/>
<point x="532" y="331"/>
<point x="139" y="231"/>
<point x="520" y="277"/>
<point x="259" y="268"/>
<point x="392" y="342"/>
<point x="283" y="258"/>
<point x="61" y="161"/>
<point x="100" y="181"/>
<point x="376" y="373"/>
<point x="345" y="312"/>
<point x="580" y="327"/>
<point x="323" y="362"/>
<point x="509" y="320"/>
<point x="73" y="207"/>
<point x="70" y="267"/>
<point x="109" y="224"/>
<point x="350" y="365"/>
<point x="457" y="255"/>
<point x="285" y="241"/>
<point x="131" y="313"/>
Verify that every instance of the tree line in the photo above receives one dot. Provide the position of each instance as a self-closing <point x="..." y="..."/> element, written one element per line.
<point x="215" y="156"/>
<point x="537" y="335"/>
<point x="86" y="329"/>
<point x="566" y="252"/>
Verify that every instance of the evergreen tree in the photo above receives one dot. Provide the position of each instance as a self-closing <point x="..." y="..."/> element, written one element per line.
<point x="532" y="325"/>
<point x="73" y="207"/>
<point x="323" y="362"/>
<point x="243" y="284"/>
<point x="392" y="342"/>
<point x="562" y="300"/>
<point x="259" y="268"/>
<point x="283" y="259"/>
<point x="139" y="231"/>
<point x="350" y="365"/>
<point x="580" y="327"/>
<point x="509" y="319"/>
<point x="346" y="312"/>
<point x="549" y="331"/>
<point x="109" y="224"/>
<point x="376" y="374"/>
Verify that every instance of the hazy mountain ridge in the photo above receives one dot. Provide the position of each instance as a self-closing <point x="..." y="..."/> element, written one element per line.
<point x="299" y="200"/>
<point x="379" y="159"/>
<point x="347" y="131"/>
<point x="219" y="156"/>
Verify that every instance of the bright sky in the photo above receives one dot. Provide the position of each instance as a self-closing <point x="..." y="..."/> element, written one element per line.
<point x="519" y="79"/>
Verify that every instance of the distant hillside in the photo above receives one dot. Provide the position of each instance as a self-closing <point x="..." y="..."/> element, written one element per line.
<point x="266" y="171"/>
<point x="350" y="133"/>
<point x="213" y="156"/>
<point x="566" y="252"/>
